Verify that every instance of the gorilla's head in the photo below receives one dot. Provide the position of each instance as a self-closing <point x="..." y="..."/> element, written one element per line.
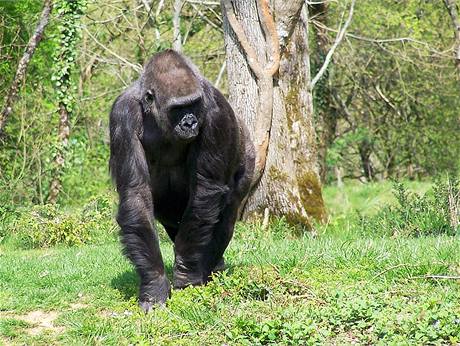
<point x="172" y="93"/>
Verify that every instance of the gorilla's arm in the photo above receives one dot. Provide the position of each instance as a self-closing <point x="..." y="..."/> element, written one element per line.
<point x="135" y="214"/>
<point x="207" y="225"/>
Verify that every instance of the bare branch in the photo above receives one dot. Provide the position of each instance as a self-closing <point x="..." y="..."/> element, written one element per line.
<point x="338" y="39"/>
<point x="146" y="5"/>
<point x="135" y="67"/>
<point x="221" y="73"/>
<point x="159" y="8"/>
<point x="203" y="2"/>
<point x="452" y="9"/>
<point x="24" y="63"/>
<point x="177" y="39"/>
<point x="382" y="40"/>
<point x="204" y="17"/>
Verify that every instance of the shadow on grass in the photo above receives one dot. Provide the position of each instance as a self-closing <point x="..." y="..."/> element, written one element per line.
<point x="127" y="283"/>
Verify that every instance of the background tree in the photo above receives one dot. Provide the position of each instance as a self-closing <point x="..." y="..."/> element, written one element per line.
<point x="393" y="84"/>
<point x="24" y="63"/>
<point x="69" y="12"/>
<point x="452" y="9"/>
<point x="276" y="104"/>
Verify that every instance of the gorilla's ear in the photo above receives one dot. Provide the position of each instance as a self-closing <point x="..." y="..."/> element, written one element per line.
<point x="149" y="96"/>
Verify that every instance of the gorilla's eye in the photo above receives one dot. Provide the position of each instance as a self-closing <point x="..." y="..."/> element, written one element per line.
<point x="149" y="96"/>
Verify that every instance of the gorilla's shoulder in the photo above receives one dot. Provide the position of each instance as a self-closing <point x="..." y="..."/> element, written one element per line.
<point x="133" y="92"/>
<point x="127" y="105"/>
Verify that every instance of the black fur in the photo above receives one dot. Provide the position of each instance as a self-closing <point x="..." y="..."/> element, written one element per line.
<point x="179" y="154"/>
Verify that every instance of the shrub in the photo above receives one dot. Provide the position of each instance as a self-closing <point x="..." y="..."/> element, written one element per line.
<point x="433" y="213"/>
<point x="47" y="225"/>
<point x="8" y="213"/>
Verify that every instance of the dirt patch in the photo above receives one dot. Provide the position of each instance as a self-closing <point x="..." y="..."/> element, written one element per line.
<point x="40" y="321"/>
<point x="77" y="306"/>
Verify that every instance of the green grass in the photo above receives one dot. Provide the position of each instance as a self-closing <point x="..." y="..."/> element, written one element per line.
<point x="337" y="288"/>
<point x="367" y="198"/>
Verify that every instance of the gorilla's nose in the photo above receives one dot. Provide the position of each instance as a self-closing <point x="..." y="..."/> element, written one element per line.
<point x="189" y="121"/>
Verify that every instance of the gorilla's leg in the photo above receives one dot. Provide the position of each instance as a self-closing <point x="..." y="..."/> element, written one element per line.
<point x="220" y="266"/>
<point x="197" y="255"/>
<point x="142" y="248"/>
<point x="200" y="251"/>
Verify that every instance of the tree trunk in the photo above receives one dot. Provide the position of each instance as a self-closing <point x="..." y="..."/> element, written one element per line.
<point x="59" y="160"/>
<point x="289" y="185"/>
<point x="24" y="63"/>
<point x="70" y="13"/>
<point x="365" y="151"/>
<point x="453" y="13"/>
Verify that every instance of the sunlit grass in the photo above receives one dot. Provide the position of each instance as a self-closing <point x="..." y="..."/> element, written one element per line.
<point x="279" y="289"/>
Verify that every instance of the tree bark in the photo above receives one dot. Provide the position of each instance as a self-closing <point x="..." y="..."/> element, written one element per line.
<point x="452" y="9"/>
<point x="365" y="151"/>
<point x="289" y="183"/>
<point x="24" y="63"/>
<point x="59" y="160"/>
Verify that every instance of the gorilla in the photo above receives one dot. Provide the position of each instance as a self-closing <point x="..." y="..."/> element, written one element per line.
<point x="180" y="155"/>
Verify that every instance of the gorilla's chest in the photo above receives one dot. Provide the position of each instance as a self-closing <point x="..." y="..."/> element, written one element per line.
<point x="170" y="193"/>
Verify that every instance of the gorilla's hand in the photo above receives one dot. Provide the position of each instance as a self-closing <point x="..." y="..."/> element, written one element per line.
<point x="154" y="292"/>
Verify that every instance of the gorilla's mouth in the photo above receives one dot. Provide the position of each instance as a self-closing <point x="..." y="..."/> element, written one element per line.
<point x="187" y="128"/>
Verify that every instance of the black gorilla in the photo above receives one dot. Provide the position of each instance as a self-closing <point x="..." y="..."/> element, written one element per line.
<point x="177" y="153"/>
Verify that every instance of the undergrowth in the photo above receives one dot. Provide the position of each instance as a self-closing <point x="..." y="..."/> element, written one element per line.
<point x="435" y="212"/>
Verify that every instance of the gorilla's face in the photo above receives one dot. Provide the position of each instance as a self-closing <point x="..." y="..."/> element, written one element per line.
<point x="172" y="93"/>
<point x="179" y="117"/>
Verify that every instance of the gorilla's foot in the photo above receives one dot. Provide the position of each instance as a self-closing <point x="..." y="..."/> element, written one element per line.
<point x="153" y="293"/>
<point x="184" y="276"/>
<point x="182" y="280"/>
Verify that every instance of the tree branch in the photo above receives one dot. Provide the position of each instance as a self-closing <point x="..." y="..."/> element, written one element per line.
<point x="271" y="36"/>
<point x="136" y="68"/>
<point x="452" y="9"/>
<point x="221" y="73"/>
<point x="338" y="39"/>
<point x="177" y="39"/>
<point x="251" y="54"/>
<point x="24" y="63"/>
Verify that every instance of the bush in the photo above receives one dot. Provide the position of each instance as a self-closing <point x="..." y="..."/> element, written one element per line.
<point x="47" y="225"/>
<point x="433" y="213"/>
<point x="8" y="213"/>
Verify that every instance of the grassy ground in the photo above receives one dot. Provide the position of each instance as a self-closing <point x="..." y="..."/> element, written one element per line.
<point x="338" y="288"/>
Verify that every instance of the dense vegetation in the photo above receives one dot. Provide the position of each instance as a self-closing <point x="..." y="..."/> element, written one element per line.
<point x="383" y="269"/>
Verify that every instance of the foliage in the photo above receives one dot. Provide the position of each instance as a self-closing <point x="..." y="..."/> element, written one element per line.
<point x="65" y="58"/>
<point x="47" y="225"/>
<point x="417" y="215"/>
<point x="393" y="103"/>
